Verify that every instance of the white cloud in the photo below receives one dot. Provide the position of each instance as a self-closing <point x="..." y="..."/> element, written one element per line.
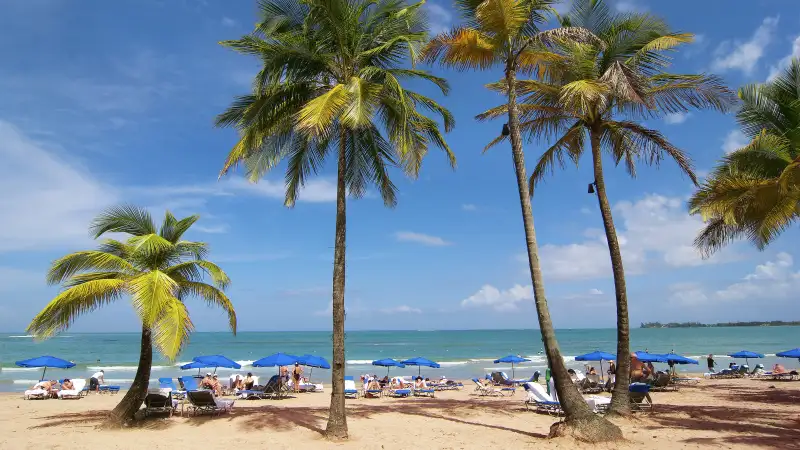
<point x="745" y="55"/>
<point x="469" y="207"/>
<point x="676" y="118"/>
<point x="595" y="291"/>
<point x="772" y="280"/>
<point x="228" y="22"/>
<point x="638" y="223"/>
<point x="215" y="229"/>
<point x="316" y="190"/>
<point x="491" y="297"/>
<point x="47" y="202"/>
<point x="733" y="141"/>
<point x="784" y="62"/>
<point x="440" y="18"/>
<point x="425" y="239"/>
<point x="402" y="309"/>
<point x="585" y="210"/>
<point x="698" y="47"/>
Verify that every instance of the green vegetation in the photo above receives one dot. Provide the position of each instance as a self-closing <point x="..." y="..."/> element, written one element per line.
<point x="754" y="193"/>
<point x="156" y="269"/>
<point x="774" y="323"/>
<point x="330" y="81"/>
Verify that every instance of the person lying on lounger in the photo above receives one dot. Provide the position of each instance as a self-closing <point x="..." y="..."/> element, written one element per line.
<point x="397" y="383"/>
<point x="419" y="383"/>
<point x="238" y="383"/>
<point x="67" y="385"/>
<point x="778" y="369"/>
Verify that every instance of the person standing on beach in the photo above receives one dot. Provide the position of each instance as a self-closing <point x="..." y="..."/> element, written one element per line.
<point x="711" y="363"/>
<point x="96" y="380"/>
<point x="297" y="374"/>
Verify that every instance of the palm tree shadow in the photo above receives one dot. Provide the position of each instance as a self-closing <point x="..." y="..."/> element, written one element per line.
<point x="84" y="418"/>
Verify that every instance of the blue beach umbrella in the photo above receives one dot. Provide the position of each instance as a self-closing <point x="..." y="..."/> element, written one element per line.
<point x="649" y="357"/>
<point x="419" y="362"/>
<point x="216" y="361"/>
<point x="677" y="359"/>
<point x="794" y="353"/>
<point x="597" y="356"/>
<point x="194" y="365"/>
<point x="388" y="363"/>
<point x="278" y="359"/>
<point x="46" y="361"/>
<point x="314" y="361"/>
<point x="746" y="355"/>
<point x="511" y="359"/>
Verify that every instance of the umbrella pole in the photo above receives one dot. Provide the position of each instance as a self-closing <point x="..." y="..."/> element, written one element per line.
<point x="512" y="372"/>
<point x="44" y="372"/>
<point x="601" y="370"/>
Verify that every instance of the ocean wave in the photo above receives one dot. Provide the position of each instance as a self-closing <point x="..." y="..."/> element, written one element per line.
<point x="481" y="359"/>
<point x="453" y="363"/>
<point x="245" y="363"/>
<point x="509" y="368"/>
<point x="20" y="369"/>
<point x="767" y="355"/>
<point x="359" y="362"/>
<point x="115" y="368"/>
<point x="31" y="382"/>
<point x="26" y="336"/>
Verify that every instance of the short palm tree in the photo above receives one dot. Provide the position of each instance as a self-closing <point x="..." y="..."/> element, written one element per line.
<point x="156" y="269"/>
<point x="754" y="193"/>
<point x="331" y="82"/>
<point x="594" y="94"/>
<point x="506" y="33"/>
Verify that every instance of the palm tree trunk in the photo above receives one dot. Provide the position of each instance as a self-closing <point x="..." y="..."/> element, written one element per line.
<point x="337" y="420"/>
<point x="124" y="412"/>
<point x="620" y="399"/>
<point x="580" y="421"/>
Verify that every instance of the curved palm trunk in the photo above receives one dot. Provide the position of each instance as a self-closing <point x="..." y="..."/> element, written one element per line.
<point x="337" y="420"/>
<point x="124" y="412"/>
<point x="620" y="399"/>
<point x="580" y="421"/>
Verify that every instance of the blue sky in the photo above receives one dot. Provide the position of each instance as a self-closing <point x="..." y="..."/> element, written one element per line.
<point x="110" y="102"/>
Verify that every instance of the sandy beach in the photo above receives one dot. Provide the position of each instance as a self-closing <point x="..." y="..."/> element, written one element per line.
<point x="721" y="413"/>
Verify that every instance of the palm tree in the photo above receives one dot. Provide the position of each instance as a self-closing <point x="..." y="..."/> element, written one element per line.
<point x="154" y="267"/>
<point x="506" y="33"/>
<point x="597" y="90"/>
<point x="330" y="82"/>
<point x="754" y="193"/>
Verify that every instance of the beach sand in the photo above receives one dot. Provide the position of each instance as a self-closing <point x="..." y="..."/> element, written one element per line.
<point x="722" y="413"/>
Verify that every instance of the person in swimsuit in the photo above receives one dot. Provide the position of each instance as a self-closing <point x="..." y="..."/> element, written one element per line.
<point x="297" y="373"/>
<point x="249" y="381"/>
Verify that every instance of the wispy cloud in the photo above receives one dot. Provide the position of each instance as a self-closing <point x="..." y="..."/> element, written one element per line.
<point x="216" y="229"/>
<point x="784" y="62"/>
<point x="469" y="207"/>
<point x="228" y="22"/>
<point x="744" y="55"/>
<point x="440" y="18"/>
<point x="733" y="141"/>
<point x="505" y="300"/>
<point x="420" y="238"/>
<point x="676" y="118"/>
<point x="402" y="309"/>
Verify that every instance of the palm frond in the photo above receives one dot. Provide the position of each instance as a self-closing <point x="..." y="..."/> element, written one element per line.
<point x="91" y="260"/>
<point x="74" y="302"/>
<point x="462" y="48"/>
<point x="171" y="328"/>
<point x="123" y="219"/>
<point x="212" y="296"/>
<point x="151" y="293"/>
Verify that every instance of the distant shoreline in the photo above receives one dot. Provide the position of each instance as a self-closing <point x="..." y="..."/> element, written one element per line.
<point x="774" y="323"/>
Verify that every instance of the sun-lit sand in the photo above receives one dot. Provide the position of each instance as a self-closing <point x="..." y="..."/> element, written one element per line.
<point x="724" y="413"/>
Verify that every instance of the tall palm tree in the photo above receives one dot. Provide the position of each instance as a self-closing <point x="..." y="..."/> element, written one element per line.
<point x="506" y="33"/>
<point x="330" y="82"/>
<point x="597" y="91"/>
<point x="754" y="193"/>
<point x="156" y="269"/>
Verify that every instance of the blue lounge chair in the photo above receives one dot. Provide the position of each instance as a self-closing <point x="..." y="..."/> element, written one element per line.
<point x="640" y="397"/>
<point x="169" y="383"/>
<point x="350" y="390"/>
<point x="400" y="393"/>
<point x="106" y="389"/>
<point x="189" y="384"/>
<point x="424" y="392"/>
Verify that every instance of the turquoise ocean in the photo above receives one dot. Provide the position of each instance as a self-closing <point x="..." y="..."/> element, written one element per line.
<point x="462" y="354"/>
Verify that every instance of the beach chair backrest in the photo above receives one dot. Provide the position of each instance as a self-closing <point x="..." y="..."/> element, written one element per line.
<point x="189" y="383"/>
<point x="594" y="379"/>
<point x="348" y="378"/>
<point x="201" y="398"/>
<point x="78" y="384"/>
<point x="165" y="383"/>
<point x="153" y="400"/>
<point x="539" y="392"/>
<point x="349" y="384"/>
<point x="274" y="384"/>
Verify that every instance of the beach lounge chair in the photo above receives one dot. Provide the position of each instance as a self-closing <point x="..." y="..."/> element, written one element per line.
<point x="350" y="390"/>
<point x="486" y="391"/>
<point x="36" y="393"/>
<point x="158" y="403"/>
<point x="663" y="382"/>
<point x="501" y="379"/>
<point x="540" y="401"/>
<point x="167" y="386"/>
<point x="203" y="402"/>
<point x="591" y="384"/>
<point x="108" y="389"/>
<point x="640" y="397"/>
<point x="189" y="383"/>
<point x="79" y="390"/>
<point x="400" y="393"/>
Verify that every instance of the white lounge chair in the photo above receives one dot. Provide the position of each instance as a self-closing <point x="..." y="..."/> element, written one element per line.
<point x="350" y="388"/>
<point x="78" y="390"/>
<point x="540" y="400"/>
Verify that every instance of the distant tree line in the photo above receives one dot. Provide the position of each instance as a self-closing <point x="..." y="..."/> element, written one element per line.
<point x="774" y="323"/>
